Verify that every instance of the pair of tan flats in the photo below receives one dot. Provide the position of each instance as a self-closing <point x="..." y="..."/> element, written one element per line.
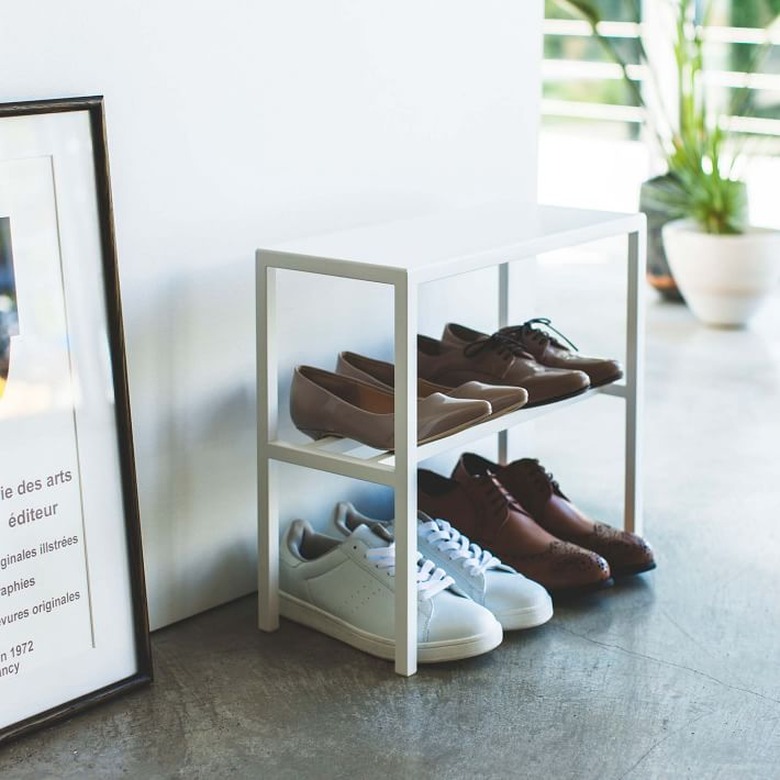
<point x="358" y="402"/>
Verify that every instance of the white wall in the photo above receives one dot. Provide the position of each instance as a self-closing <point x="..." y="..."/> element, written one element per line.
<point x="235" y="125"/>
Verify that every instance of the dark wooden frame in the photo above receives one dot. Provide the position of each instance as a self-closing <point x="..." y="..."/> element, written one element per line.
<point x="143" y="675"/>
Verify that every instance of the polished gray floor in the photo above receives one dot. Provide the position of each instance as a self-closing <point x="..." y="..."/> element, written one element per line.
<point x="674" y="674"/>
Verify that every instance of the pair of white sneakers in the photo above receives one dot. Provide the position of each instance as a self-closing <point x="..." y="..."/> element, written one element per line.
<point x="344" y="587"/>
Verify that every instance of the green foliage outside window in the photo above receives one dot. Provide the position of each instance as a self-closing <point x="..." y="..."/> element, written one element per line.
<point x="738" y="57"/>
<point x="588" y="49"/>
<point x="693" y="134"/>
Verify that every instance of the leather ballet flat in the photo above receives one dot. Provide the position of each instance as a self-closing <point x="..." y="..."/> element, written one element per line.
<point x="502" y="398"/>
<point x="323" y="403"/>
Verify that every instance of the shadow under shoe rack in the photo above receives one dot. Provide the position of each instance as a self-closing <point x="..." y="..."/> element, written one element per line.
<point x="406" y="254"/>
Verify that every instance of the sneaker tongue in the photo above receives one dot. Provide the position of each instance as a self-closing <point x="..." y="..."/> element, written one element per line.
<point x="373" y="535"/>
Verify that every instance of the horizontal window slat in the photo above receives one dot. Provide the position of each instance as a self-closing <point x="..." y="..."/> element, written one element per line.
<point x="755" y="35"/>
<point x="557" y="70"/>
<point x="553" y="107"/>
<point x="736" y="79"/>
<point x="587" y="110"/>
<point x="578" y="28"/>
<point x="753" y="125"/>
<point x="577" y="69"/>
<point x="713" y="34"/>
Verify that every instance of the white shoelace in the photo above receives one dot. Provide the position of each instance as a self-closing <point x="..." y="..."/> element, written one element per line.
<point x="430" y="579"/>
<point x="458" y="548"/>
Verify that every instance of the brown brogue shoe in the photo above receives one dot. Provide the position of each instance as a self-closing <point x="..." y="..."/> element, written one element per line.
<point x="529" y="483"/>
<point x="470" y="354"/>
<point x="536" y="337"/>
<point x="481" y="509"/>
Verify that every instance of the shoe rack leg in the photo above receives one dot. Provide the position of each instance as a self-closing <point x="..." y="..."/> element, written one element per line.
<point x="405" y="304"/>
<point x="503" y="320"/>
<point x="267" y="421"/>
<point x="635" y="338"/>
<point x="268" y="549"/>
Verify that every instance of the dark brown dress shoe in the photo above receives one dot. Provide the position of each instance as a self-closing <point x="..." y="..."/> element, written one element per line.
<point x="465" y="354"/>
<point x="481" y="509"/>
<point x="527" y="481"/>
<point x="326" y="404"/>
<point x="502" y="399"/>
<point x="536" y="337"/>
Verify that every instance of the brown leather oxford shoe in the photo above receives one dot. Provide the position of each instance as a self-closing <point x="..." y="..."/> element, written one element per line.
<point x="464" y="354"/>
<point x="529" y="483"/>
<point x="536" y="337"/>
<point x="480" y="508"/>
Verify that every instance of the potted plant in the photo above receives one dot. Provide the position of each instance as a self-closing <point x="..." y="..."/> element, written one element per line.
<point x="722" y="267"/>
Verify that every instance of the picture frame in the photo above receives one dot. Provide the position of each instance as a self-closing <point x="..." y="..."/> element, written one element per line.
<point x="73" y="615"/>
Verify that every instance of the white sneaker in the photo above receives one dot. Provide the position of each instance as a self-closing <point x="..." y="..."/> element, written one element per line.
<point x="345" y="588"/>
<point x="516" y="601"/>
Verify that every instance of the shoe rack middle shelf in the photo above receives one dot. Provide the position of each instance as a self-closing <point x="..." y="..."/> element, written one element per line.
<point x="406" y="254"/>
<point x="352" y="459"/>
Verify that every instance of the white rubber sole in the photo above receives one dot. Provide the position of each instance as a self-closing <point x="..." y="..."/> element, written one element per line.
<point x="307" y="614"/>
<point x="529" y="617"/>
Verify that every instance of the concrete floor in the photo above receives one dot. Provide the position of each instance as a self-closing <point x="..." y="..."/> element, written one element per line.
<point x="673" y="674"/>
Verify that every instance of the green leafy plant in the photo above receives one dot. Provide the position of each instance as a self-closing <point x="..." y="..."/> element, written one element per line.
<point x="699" y="154"/>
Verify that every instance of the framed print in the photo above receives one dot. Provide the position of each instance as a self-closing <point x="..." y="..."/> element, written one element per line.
<point x="73" y="621"/>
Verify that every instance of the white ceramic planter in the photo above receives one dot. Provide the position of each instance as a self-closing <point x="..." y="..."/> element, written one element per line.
<point x="724" y="279"/>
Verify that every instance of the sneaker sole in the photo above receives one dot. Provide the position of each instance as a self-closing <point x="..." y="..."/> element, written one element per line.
<point x="530" y="617"/>
<point x="307" y="614"/>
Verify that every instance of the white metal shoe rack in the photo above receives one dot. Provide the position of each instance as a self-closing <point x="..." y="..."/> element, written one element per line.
<point x="406" y="254"/>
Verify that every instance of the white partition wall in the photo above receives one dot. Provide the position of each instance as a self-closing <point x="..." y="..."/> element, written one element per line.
<point x="238" y="125"/>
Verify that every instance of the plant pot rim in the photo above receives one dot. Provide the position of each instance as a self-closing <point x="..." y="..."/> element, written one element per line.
<point x="688" y="225"/>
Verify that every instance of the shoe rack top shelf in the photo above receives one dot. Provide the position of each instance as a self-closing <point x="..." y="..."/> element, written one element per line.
<point x="447" y="243"/>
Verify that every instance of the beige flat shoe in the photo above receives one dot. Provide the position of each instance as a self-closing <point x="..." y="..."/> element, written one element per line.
<point x="326" y="404"/>
<point x="502" y="399"/>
